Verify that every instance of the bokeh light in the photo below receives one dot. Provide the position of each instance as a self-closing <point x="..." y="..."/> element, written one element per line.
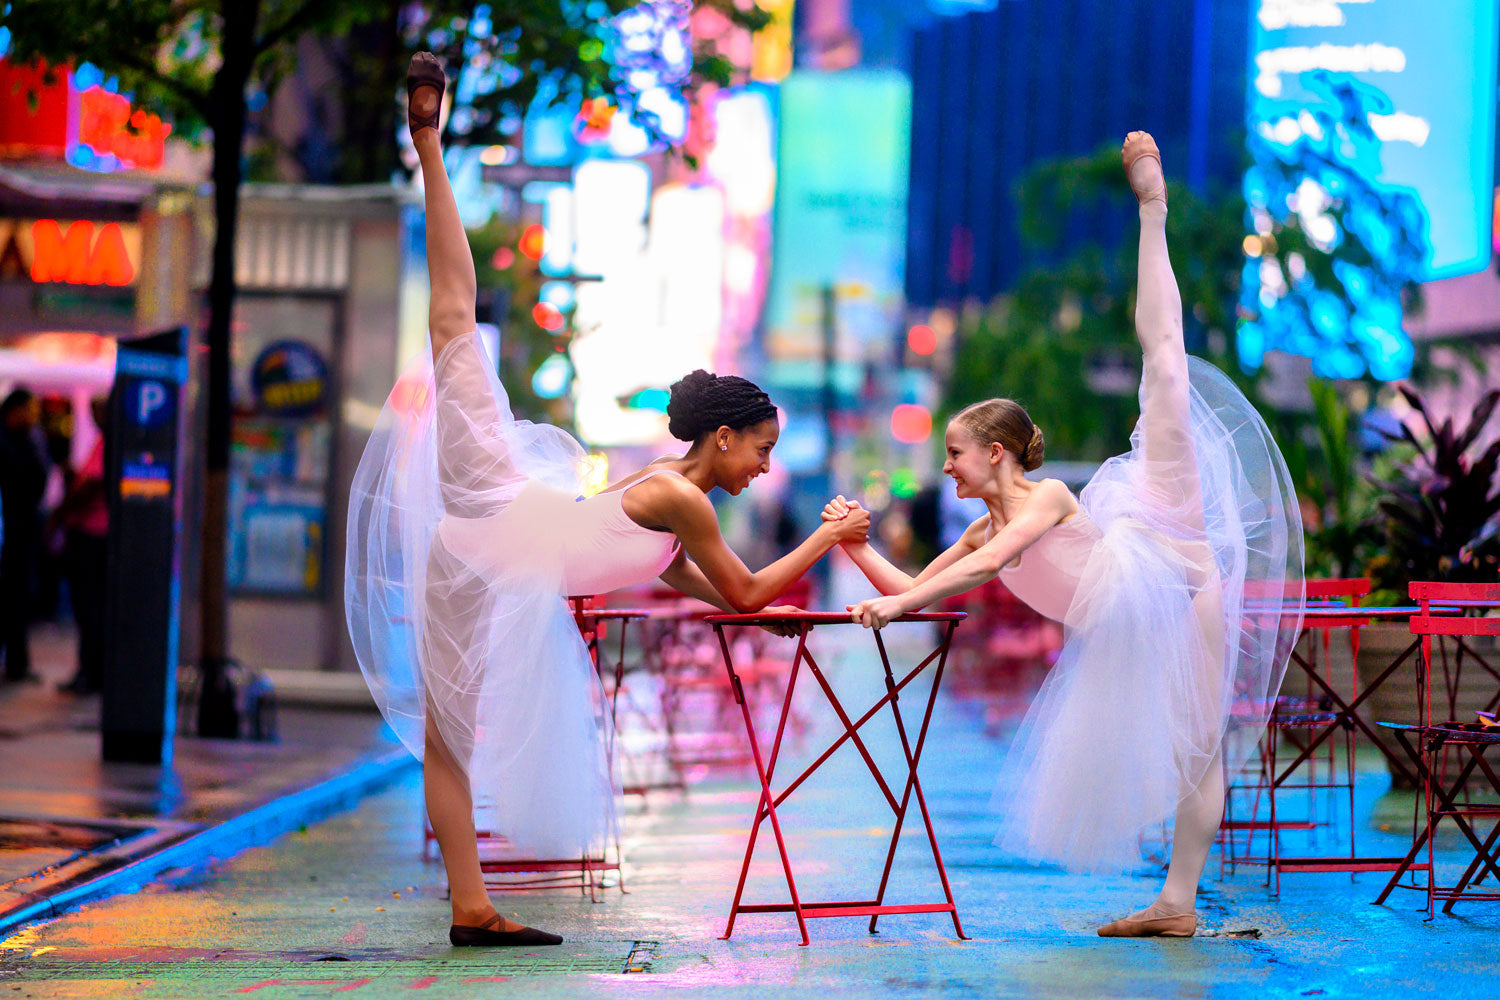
<point x="922" y="339"/>
<point x="547" y="316"/>
<point x="911" y="423"/>
<point x="533" y="241"/>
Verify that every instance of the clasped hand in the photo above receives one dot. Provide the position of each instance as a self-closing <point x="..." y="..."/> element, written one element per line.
<point x="849" y="522"/>
<point x="877" y="612"/>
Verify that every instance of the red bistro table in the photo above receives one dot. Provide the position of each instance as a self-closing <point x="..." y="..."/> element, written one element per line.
<point x="765" y="766"/>
<point x="1339" y="713"/>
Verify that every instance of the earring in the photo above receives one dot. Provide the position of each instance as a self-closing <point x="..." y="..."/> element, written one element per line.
<point x="723" y="447"/>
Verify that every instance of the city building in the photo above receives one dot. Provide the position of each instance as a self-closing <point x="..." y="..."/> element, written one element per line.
<point x="996" y="92"/>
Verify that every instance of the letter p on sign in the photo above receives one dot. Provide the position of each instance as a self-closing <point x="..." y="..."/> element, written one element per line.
<point x="152" y="405"/>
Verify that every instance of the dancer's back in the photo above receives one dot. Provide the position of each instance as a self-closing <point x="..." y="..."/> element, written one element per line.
<point x="588" y="543"/>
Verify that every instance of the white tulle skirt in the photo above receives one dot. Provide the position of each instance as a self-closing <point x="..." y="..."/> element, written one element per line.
<point x="486" y="666"/>
<point x="1175" y="642"/>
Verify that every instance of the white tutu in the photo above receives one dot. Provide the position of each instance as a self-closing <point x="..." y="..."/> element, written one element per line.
<point x="495" y="657"/>
<point x="1164" y="671"/>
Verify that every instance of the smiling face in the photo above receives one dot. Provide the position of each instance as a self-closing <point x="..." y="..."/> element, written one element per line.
<point x="969" y="463"/>
<point x="747" y="454"/>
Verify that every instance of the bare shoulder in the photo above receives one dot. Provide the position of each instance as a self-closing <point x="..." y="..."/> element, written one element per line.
<point x="664" y="500"/>
<point x="977" y="531"/>
<point x="1054" y="497"/>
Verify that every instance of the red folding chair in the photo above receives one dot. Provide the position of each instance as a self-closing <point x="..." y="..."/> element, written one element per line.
<point x="1443" y="785"/>
<point x="1298" y="752"/>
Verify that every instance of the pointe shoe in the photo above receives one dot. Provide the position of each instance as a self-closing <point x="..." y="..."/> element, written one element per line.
<point x="1150" y="923"/>
<point x="425" y="71"/>
<point x="488" y="935"/>
<point x="1138" y="146"/>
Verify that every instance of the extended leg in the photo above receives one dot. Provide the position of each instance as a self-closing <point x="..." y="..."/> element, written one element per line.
<point x="1170" y="466"/>
<point x="475" y="470"/>
<point x="450" y="265"/>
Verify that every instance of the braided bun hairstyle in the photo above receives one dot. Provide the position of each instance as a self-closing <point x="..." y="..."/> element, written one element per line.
<point x="702" y="402"/>
<point x="1007" y="422"/>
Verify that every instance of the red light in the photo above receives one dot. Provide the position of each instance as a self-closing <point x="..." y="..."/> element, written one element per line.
<point x="911" y="424"/>
<point x="922" y="339"/>
<point x="503" y="258"/>
<point x="409" y="396"/>
<point x="533" y="242"/>
<point x="547" y="316"/>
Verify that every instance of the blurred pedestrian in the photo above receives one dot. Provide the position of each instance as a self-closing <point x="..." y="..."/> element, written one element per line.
<point x="83" y="518"/>
<point x="54" y="435"/>
<point x="23" y="478"/>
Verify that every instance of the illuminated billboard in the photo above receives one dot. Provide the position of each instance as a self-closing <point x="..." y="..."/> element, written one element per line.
<point x="840" y="211"/>
<point x="1434" y="62"/>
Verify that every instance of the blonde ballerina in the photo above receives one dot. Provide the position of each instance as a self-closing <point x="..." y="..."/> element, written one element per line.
<point x="1167" y="671"/>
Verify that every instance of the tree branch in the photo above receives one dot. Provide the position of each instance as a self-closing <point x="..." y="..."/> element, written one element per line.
<point x="295" y="23"/>
<point x="198" y="100"/>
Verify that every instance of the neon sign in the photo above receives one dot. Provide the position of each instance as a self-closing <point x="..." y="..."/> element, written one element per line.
<point x="108" y="126"/>
<point x="73" y="115"/>
<point x="76" y="252"/>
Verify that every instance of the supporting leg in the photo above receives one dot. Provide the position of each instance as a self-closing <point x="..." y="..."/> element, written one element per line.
<point x="450" y="809"/>
<point x="1198" y="816"/>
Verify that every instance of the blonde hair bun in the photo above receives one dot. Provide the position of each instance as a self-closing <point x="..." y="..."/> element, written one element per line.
<point x="1005" y="421"/>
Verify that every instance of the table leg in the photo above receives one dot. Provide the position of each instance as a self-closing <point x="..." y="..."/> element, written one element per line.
<point x="1484" y="855"/>
<point x="1408" y="863"/>
<point x="766" y="806"/>
<point x="913" y="757"/>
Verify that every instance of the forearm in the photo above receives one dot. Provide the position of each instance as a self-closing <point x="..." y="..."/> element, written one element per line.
<point x="886" y="578"/>
<point x="689" y="579"/>
<point x="966" y="574"/>
<point x="781" y="574"/>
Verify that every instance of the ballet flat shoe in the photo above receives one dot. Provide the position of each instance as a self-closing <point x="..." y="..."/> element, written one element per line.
<point x="1138" y="146"/>
<point x="425" y="71"/>
<point x="1177" y="925"/>
<point x="486" y="936"/>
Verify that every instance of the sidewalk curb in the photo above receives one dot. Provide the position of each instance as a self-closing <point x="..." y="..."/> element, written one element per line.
<point x="259" y="826"/>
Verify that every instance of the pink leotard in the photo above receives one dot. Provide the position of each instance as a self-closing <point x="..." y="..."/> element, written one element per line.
<point x="1046" y="575"/>
<point x="600" y="547"/>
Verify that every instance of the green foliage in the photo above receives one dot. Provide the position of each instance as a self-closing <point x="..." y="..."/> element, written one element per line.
<point x="1062" y="342"/>
<point x="1441" y="513"/>
<point x="170" y="54"/>
<point x="1339" y="501"/>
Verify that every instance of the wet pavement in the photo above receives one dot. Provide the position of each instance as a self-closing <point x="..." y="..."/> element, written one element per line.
<point x="348" y="906"/>
<point x="67" y="817"/>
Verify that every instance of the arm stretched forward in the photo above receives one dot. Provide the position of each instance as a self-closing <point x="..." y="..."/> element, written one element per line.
<point x="1047" y="505"/>
<point x="889" y="578"/>
<point x="688" y="513"/>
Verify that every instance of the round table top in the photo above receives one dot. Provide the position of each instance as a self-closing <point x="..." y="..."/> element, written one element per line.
<point x="826" y="617"/>
<point x="616" y="614"/>
<point x="1374" y="611"/>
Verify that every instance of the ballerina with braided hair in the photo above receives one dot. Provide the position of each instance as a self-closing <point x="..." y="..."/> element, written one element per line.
<point x="467" y="529"/>
<point x="1158" y="570"/>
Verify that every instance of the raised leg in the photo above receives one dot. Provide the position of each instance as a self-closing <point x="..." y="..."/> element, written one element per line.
<point x="1170" y="465"/>
<point x="450" y="265"/>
